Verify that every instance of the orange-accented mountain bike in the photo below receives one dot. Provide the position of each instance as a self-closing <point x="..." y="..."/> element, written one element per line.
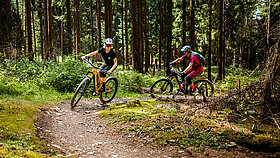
<point x="106" y="93"/>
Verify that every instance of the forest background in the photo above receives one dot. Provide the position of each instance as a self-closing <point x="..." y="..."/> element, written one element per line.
<point x="147" y="34"/>
<point x="41" y="43"/>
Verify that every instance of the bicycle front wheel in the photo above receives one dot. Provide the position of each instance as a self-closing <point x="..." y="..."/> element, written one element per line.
<point x="109" y="91"/>
<point x="161" y="87"/>
<point x="81" y="89"/>
<point x="205" y="87"/>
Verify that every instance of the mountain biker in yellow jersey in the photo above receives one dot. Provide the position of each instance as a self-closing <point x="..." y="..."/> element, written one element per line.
<point x="109" y="57"/>
<point x="193" y="70"/>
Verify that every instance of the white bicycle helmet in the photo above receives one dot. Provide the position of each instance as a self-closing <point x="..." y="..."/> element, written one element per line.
<point x="108" y="41"/>
<point x="185" y="48"/>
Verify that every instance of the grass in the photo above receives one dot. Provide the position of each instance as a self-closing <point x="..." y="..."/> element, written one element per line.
<point x="163" y="122"/>
<point x="19" y="108"/>
<point x="17" y="129"/>
<point x="21" y="96"/>
<point x="167" y="124"/>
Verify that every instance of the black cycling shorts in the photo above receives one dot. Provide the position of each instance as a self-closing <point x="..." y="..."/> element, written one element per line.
<point x="104" y="69"/>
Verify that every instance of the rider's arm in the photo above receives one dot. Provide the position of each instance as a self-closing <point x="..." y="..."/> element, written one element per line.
<point x="114" y="66"/>
<point x="177" y="60"/>
<point x="90" y="54"/>
<point x="188" y="68"/>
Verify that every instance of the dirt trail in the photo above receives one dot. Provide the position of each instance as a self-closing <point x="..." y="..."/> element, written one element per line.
<point x="82" y="133"/>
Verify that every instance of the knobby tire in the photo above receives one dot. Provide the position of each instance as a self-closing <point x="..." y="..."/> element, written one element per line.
<point x="81" y="89"/>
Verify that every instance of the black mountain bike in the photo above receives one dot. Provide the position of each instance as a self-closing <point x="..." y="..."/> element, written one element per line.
<point x="165" y="86"/>
<point x="106" y="93"/>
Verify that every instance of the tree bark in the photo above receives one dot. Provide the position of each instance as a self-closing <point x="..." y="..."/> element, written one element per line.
<point x="98" y="23"/>
<point x="40" y="15"/>
<point x="123" y="58"/>
<point x="126" y="35"/>
<point x="192" y="26"/>
<point x="160" y="33"/>
<point x="29" y="29"/>
<point x="18" y="36"/>
<point x="210" y="41"/>
<point x="23" y="26"/>
<point x="62" y="34"/>
<point x="146" y="33"/>
<point x="2" y="57"/>
<point x="9" y="24"/>
<point x="268" y="30"/>
<point x="77" y="26"/>
<point x="34" y="32"/>
<point x="108" y="19"/>
<point x="136" y="34"/>
<point x="91" y="24"/>
<point x="46" y="46"/>
<point x="222" y="42"/>
<point x="184" y="29"/>
<point x="69" y="27"/>
<point x="168" y="32"/>
<point x="49" y="14"/>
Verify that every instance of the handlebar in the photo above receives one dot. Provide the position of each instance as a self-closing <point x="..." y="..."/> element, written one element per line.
<point x="174" y="70"/>
<point x="86" y="61"/>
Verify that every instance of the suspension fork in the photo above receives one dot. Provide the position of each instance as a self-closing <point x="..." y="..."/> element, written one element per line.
<point x="178" y="82"/>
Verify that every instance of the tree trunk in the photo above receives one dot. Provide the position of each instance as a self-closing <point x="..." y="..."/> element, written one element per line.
<point x="18" y="36"/>
<point x="136" y="34"/>
<point x="77" y="26"/>
<point x="192" y="26"/>
<point x="268" y="30"/>
<point x="91" y="24"/>
<point x="62" y="34"/>
<point x="98" y="23"/>
<point x="34" y="32"/>
<point x="23" y="26"/>
<point x="168" y="33"/>
<point x="46" y="39"/>
<point x="108" y="19"/>
<point x="222" y="42"/>
<point x="69" y="27"/>
<point x="184" y="29"/>
<point x="49" y="28"/>
<point x="126" y="35"/>
<point x="2" y="57"/>
<point x="141" y="55"/>
<point x="40" y="15"/>
<point x="29" y="29"/>
<point x="9" y="24"/>
<point x="123" y="59"/>
<point x="146" y="30"/>
<point x="210" y="41"/>
<point x="160" y="33"/>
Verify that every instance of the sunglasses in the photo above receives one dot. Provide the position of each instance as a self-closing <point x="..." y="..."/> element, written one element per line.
<point x="109" y="45"/>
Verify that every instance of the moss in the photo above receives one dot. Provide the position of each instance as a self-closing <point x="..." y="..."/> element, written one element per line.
<point x="17" y="129"/>
<point x="254" y="141"/>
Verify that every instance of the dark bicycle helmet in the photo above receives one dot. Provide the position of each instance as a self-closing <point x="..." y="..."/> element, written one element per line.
<point x="108" y="41"/>
<point x="185" y="48"/>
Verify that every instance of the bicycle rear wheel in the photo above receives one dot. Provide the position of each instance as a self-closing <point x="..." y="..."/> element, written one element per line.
<point x="80" y="90"/>
<point x="205" y="88"/>
<point x="110" y="90"/>
<point x="161" y="87"/>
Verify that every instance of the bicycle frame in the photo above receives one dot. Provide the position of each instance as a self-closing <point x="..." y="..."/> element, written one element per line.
<point x="95" y="76"/>
<point x="174" y="73"/>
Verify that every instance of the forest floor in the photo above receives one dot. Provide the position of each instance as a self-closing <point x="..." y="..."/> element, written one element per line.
<point x="80" y="132"/>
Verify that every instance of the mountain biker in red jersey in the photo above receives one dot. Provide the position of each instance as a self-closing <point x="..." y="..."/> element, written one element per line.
<point x="193" y="70"/>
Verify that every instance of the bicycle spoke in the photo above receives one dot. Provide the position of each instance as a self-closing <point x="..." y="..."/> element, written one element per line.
<point x="110" y="90"/>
